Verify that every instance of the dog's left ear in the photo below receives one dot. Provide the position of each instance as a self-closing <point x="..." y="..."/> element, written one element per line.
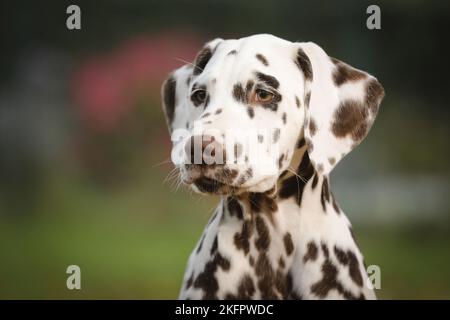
<point x="341" y="104"/>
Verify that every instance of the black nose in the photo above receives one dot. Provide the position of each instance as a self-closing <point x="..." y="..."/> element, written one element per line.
<point x="204" y="150"/>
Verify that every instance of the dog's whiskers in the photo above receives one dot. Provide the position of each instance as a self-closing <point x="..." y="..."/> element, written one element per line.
<point x="190" y="63"/>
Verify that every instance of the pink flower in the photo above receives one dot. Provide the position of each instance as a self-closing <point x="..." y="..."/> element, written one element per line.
<point x="105" y="87"/>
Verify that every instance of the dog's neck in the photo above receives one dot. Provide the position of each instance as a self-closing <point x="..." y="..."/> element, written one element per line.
<point x="290" y="184"/>
<point x="293" y="240"/>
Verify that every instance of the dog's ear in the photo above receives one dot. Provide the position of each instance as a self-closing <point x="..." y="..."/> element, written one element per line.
<point x="341" y="104"/>
<point x="175" y="89"/>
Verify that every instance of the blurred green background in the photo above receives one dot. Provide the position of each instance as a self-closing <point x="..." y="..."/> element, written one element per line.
<point x="84" y="149"/>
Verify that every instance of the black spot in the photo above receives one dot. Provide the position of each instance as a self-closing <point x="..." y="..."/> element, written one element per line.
<point x="232" y="52"/>
<point x="283" y="117"/>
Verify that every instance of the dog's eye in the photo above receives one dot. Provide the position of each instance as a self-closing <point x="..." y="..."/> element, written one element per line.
<point x="263" y="96"/>
<point x="199" y="96"/>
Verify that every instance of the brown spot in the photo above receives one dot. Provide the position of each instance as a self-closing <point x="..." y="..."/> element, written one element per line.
<point x="276" y="135"/>
<point x="234" y="208"/>
<point x="281" y="263"/>
<point x="202" y="60"/>
<point x="332" y="160"/>
<point x="330" y="281"/>
<point x="232" y="52"/>
<point x="315" y="180"/>
<point x="304" y="64"/>
<point x="350" y="119"/>
<point x="307" y="99"/>
<point x="288" y="244"/>
<point x="312" y="126"/>
<point x="218" y="111"/>
<point x="214" y="245"/>
<point x="311" y="253"/>
<point x="207" y="281"/>
<point x="300" y="143"/>
<point x="246" y="288"/>
<point x="251" y="261"/>
<point x="268" y="80"/>
<point x="325" y="194"/>
<point x="242" y="239"/>
<point x="344" y="73"/>
<point x="348" y="258"/>
<point x="335" y="205"/>
<point x="168" y="92"/>
<point x="280" y="161"/>
<point x="353" y="269"/>
<point x="199" y="248"/>
<point x="260" y="138"/>
<point x="325" y="250"/>
<point x="283" y="117"/>
<point x="205" y="115"/>
<point x="251" y="112"/>
<point x="293" y="186"/>
<point x="266" y="276"/>
<point x="262" y="59"/>
<point x="297" y="102"/>
<point x="374" y="95"/>
<point x="239" y="93"/>
<point x="263" y="240"/>
<point x="237" y="150"/>
<point x="189" y="281"/>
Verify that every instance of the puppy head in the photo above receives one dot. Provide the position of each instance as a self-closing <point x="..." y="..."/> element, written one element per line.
<point x="237" y="113"/>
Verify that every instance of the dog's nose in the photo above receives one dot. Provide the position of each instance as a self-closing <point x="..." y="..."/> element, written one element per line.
<point x="204" y="149"/>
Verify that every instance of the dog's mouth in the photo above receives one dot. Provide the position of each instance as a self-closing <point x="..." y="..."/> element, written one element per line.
<point x="208" y="185"/>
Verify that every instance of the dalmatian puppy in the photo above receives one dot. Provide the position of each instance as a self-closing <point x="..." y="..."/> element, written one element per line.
<point x="278" y="232"/>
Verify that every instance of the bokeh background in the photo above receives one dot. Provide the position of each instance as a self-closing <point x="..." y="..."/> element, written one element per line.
<point x="84" y="149"/>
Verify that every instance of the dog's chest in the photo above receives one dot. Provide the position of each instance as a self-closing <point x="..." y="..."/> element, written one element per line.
<point x="242" y="256"/>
